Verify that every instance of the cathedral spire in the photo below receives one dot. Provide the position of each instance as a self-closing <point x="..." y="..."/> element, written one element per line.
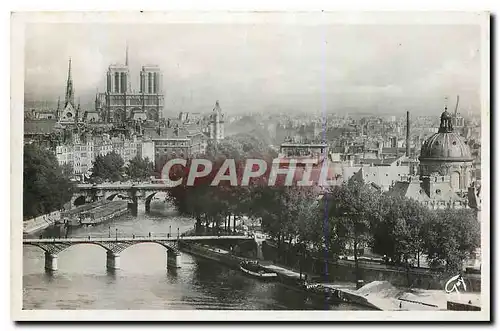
<point x="126" y="55"/>
<point x="70" y="96"/>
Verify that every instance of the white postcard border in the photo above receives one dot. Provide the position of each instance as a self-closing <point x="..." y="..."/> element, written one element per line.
<point x="17" y="95"/>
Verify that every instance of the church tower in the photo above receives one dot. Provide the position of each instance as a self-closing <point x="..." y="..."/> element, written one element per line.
<point x="216" y="124"/>
<point x="70" y="93"/>
<point x="120" y="104"/>
<point x="69" y="113"/>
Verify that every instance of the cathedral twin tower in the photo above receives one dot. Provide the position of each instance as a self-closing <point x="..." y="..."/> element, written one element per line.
<point x="120" y="103"/>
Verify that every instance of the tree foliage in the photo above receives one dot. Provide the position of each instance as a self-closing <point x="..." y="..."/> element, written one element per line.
<point x="139" y="168"/>
<point x="343" y="220"/>
<point x="399" y="233"/>
<point x="46" y="187"/>
<point x="450" y="237"/>
<point x="107" y="168"/>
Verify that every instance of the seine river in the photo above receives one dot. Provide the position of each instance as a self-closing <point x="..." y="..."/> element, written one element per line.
<point x="143" y="282"/>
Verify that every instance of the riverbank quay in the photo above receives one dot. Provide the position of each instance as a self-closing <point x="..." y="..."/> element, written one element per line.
<point x="212" y="253"/>
<point x="340" y="270"/>
<point x="382" y="295"/>
<point x="376" y="295"/>
<point x="286" y="277"/>
<point x="40" y="223"/>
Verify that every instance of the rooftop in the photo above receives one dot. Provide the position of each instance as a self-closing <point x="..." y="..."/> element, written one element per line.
<point x="40" y="126"/>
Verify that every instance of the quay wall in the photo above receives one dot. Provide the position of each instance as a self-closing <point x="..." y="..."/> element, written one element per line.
<point x="230" y="259"/>
<point x="211" y="253"/>
<point x="344" y="271"/>
<point x="233" y="261"/>
<point x="40" y="222"/>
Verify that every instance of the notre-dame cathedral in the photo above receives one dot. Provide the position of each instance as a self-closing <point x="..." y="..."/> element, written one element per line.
<point x="120" y="103"/>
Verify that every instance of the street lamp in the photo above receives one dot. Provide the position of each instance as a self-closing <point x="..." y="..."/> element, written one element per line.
<point x="116" y="233"/>
<point x="178" y="233"/>
<point x="109" y="228"/>
<point x="169" y="230"/>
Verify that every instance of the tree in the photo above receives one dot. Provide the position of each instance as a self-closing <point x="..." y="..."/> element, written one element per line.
<point x="285" y="211"/>
<point x="45" y="187"/>
<point x="450" y="236"/>
<point x="350" y="209"/>
<point x="108" y="168"/>
<point x="139" y="168"/>
<point x="398" y="228"/>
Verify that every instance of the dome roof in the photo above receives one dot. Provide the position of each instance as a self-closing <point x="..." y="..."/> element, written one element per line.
<point x="446" y="145"/>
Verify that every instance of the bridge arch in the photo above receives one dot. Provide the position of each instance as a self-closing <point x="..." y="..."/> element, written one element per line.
<point x="148" y="199"/>
<point x="112" y="248"/>
<point x="111" y="193"/>
<point x="168" y="247"/>
<point x="115" y="247"/>
<point x="44" y="248"/>
<point x="56" y="248"/>
<point x="115" y="195"/>
<point x="80" y="200"/>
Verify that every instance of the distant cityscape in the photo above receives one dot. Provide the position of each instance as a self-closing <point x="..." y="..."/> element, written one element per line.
<point x="328" y="167"/>
<point x="383" y="150"/>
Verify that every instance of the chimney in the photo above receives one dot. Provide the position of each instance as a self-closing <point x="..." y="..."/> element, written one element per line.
<point x="408" y="134"/>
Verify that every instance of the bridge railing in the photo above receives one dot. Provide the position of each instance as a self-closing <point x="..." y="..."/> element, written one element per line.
<point x="101" y="239"/>
<point x="156" y="235"/>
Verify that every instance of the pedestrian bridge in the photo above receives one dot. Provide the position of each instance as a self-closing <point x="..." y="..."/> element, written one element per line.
<point x="115" y="245"/>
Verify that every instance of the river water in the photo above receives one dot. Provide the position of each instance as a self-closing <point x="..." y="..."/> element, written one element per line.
<point x="143" y="281"/>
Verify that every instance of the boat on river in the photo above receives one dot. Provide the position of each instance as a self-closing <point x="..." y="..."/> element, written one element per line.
<point x="330" y="294"/>
<point x="253" y="268"/>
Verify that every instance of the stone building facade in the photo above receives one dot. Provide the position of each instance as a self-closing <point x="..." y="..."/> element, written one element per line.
<point x="120" y="103"/>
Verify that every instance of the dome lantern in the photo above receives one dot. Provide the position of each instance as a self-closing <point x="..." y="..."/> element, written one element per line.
<point x="446" y="122"/>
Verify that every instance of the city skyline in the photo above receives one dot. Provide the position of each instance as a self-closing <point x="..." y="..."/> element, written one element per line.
<point x="308" y="69"/>
<point x="250" y="162"/>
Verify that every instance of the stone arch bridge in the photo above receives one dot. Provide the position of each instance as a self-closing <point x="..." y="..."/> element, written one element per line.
<point x="114" y="246"/>
<point x="135" y="193"/>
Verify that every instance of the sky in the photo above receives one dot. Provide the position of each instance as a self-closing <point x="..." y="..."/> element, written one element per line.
<point x="266" y="67"/>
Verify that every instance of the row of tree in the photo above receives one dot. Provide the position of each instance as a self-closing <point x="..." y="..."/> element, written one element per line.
<point x="111" y="167"/>
<point x="46" y="185"/>
<point x="337" y="221"/>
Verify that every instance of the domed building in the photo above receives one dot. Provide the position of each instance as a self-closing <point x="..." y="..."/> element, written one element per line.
<point x="445" y="170"/>
<point x="445" y="154"/>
